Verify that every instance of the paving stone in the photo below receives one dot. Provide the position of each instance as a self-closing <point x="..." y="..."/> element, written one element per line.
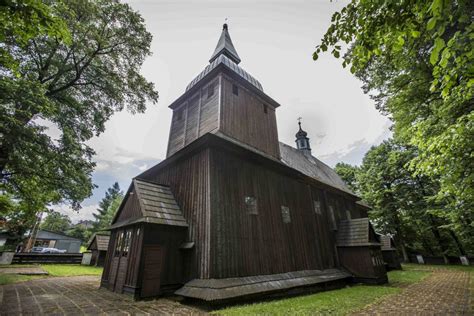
<point x="444" y="292"/>
<point x="79" y="296"/>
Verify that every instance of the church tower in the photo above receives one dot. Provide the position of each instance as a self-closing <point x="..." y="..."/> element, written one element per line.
<point x="302" y="140"/>
<point x="224" y="99"/>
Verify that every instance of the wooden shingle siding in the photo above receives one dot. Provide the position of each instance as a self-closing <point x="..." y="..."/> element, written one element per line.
<point x="222" y="289"/>
<point x="243" y="118"/>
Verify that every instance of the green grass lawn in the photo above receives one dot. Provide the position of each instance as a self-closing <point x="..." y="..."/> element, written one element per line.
<point x="54" y="270"/>
<point x="336" y="302"/>
<point x="71" y="269"/>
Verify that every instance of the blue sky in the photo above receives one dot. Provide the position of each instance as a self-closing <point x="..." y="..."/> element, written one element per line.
<point x="275" y="40"/>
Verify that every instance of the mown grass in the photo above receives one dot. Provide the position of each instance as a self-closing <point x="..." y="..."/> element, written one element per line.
<point x="54" y="270"/>
<point x="336" y="302"/>
<point x="71" y="269"/>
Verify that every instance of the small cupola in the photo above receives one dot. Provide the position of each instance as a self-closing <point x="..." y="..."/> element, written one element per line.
<point x="302" y="140"/>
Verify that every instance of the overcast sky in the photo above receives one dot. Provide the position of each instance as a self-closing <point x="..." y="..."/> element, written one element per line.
<point x="275" y="40"/>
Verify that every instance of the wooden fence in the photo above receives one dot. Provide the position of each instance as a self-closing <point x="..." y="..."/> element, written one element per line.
<point x="68" y="258"/>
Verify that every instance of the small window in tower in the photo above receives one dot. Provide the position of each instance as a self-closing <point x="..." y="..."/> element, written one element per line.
<point x="317" y="207"/>
<point x="235" y="89"/>
<point x="251" y="205"/>
<point x="265" y="109"/>
<point x="285" y="214"/>
<point x="210" y="90"/>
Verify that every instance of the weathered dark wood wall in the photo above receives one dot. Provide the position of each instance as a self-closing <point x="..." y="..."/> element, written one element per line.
<point x="189" y="181"/>
<point x="243" y="117"/>
<point x="197" y="116"/>
<point x="121" y="273"/>
<point x="244" y="244"/>
<point x="169" y="238"/>
<point x="131" y="209"/>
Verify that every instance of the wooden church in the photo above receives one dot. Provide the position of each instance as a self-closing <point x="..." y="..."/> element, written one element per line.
<point x="233" y="213"/>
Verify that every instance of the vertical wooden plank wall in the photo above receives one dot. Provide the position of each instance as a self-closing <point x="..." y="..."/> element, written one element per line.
<point x="243" y="244"/>
<point x="243" y="118"/>
<point x="199" y="115"/>
<point x="188" y="180"/>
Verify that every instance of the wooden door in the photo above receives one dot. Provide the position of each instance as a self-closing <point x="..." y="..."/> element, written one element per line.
<point x="153" y="259"/>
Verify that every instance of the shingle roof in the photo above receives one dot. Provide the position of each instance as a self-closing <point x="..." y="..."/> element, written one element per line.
<point x="222" y="289"/>
<point x="224" y="60"/>
<point x="225" y="47"/>
<point x="387" y="242"/>
<point x="354" y="232"/>
<point x="102" y="242"/>
<point x="311" y="167"/>
<point x="158" y="204"/>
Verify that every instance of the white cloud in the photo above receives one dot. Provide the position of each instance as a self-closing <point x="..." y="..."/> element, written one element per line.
<point x="85" y="213"/>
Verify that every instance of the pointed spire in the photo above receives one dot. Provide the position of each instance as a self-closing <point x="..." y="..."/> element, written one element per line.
<point x="225" y="47"/>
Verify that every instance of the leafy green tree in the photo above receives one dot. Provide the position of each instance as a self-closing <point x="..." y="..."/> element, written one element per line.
<point x="416" y="59"/>
<point x="21" y="21"/>
<point x="102" y="216"/>
<point x="348" y="173"/>
<point x="56" y="222"/>
<point x="19" y="217"/>
<point x="76" y="87"/>
<point x="403" y="203"/>
<point x="112" y="209"/>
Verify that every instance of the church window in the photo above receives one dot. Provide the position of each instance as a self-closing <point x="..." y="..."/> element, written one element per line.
<point x="126" y="243"/>
<point x="332" y="218"/>
<point x="235" y="89"/>
<point x="118" y="244"/>
<point x="317" y="207"/>
<point x="265" y="109"/>
<point x="210" y="90"/>
<point x="285" y="214"/>
<point x="251" y="205"/>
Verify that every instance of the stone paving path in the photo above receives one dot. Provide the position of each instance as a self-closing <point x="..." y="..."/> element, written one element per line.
<point x="444" y="292"/>
<point x="26" y="271"/>
<point x="79" y="296"/>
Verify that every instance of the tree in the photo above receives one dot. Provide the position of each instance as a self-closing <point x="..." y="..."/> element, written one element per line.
<point x="21" y="21"/>
<point x="348" y="173"/>
<point x="56" y="222"/>
<point x="76" y="87"/>
<point x="102" y="216"/>
<point x="106" y="220"/>
<point x="416" y="60"/>
<point x="403" y="203"/>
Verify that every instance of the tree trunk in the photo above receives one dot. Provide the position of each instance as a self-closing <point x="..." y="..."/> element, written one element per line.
<point x="439" y="239"/>
<point x="458" y="242"/>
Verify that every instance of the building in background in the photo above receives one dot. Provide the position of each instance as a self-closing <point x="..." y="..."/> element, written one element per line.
<point x="48" y="239"/>
<point x="98" y="245"/>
